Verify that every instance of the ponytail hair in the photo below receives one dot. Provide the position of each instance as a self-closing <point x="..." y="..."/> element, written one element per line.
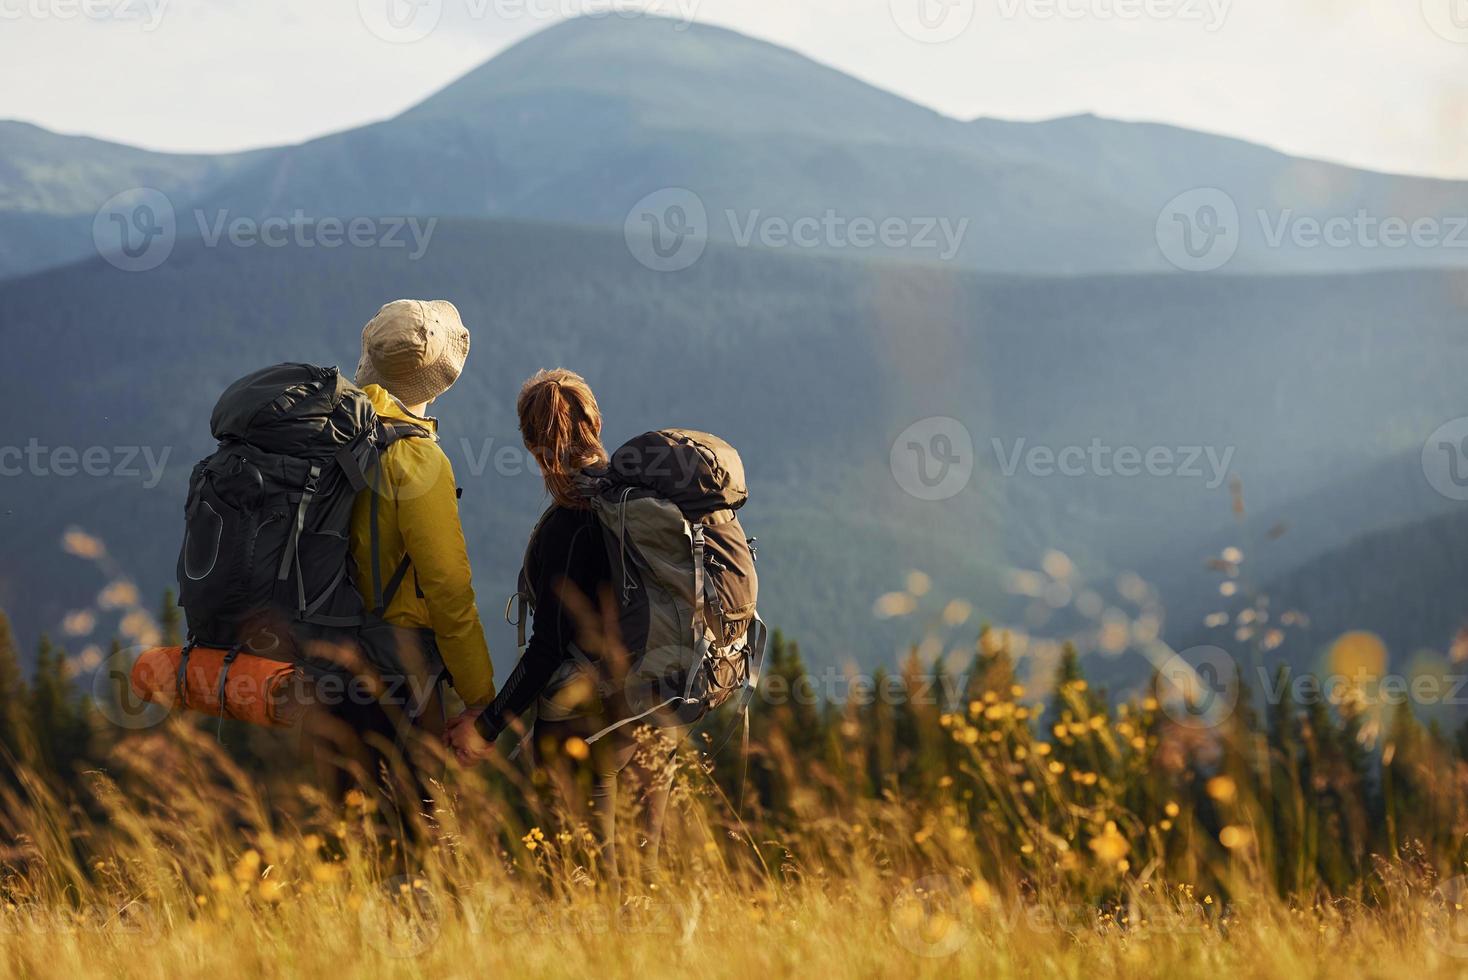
<point x="560" y="424"/>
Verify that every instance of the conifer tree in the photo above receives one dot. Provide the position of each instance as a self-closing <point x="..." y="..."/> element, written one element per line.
<point x="15" y="723"/>
<point x="993" y="669"/>
<point x="59" y="724"/>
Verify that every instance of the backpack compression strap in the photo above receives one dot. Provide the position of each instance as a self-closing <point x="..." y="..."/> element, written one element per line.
<point x="292" y="556"/>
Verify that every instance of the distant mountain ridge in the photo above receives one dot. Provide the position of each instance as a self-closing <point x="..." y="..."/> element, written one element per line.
<point x="581" y="121"/>
<point x="51" y="187"/>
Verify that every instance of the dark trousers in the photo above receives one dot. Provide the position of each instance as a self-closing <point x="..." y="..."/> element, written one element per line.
<point x="619" y="762"/>
<point x="387" y="751"/>
<point x="385" y="746"/>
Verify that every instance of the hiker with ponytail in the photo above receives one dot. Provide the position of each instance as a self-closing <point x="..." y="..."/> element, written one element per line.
<point x="567" y="577"/>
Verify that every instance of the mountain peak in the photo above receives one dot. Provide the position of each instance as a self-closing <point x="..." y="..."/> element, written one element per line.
<point x="662" y="71"/>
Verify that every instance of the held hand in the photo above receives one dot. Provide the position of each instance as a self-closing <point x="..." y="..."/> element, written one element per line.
<point x="463" y="737"/>
<point x="469" y="717"/>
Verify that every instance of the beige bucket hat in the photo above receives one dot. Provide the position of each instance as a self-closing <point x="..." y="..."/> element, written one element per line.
<point x="414" y="348"/>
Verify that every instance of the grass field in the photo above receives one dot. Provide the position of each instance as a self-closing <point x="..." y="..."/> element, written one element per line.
<point x="175" y="864"/>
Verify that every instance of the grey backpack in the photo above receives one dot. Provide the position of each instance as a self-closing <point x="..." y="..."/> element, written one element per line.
<point x="684" y="576"/>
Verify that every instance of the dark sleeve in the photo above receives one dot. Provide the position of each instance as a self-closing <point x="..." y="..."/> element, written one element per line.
<point x="557" y="556"/>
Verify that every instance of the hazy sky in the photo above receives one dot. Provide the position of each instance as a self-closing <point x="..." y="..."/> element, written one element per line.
<point x="1378" y="83"/>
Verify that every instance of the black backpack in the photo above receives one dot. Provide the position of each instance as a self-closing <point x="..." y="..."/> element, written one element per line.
<point x="266" y="564"/>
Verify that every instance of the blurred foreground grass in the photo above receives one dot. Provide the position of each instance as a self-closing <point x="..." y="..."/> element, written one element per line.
<point x="175" y="864"/>
<point x="978" y="812"/>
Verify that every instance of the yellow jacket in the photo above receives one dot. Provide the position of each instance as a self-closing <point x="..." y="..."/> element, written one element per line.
<point x="418" y="515"/>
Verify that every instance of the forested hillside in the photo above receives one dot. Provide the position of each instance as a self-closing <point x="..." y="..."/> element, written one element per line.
<point x="812" y="367"/>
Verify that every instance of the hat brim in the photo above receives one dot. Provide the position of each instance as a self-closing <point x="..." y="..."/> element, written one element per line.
<point x="432" y="380"/>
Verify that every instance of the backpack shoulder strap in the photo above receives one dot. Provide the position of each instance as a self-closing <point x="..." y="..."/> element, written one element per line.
<point x="358" y="458"/>
<point x="524" y="598"/>
<point x="389" y="432"/>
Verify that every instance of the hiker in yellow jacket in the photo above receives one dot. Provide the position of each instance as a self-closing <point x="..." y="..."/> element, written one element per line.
<point x="412" y="352"/>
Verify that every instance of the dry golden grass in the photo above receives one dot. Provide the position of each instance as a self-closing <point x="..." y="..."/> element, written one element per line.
<point x="188" y="872"/>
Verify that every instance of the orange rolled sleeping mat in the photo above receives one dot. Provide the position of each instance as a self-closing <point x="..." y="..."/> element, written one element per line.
<point x="248" y="688"/>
